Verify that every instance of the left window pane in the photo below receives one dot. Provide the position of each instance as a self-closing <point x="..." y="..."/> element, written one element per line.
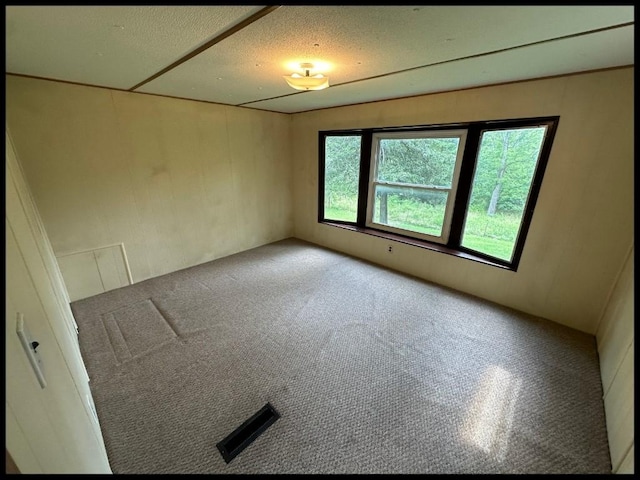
<point x="341" y="176"/>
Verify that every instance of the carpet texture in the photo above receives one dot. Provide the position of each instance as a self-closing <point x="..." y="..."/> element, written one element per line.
<point x="372" y="371"/>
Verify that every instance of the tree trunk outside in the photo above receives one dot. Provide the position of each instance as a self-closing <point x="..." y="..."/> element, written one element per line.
<point x="383" y="208"/>
<point x="495" y="196"/>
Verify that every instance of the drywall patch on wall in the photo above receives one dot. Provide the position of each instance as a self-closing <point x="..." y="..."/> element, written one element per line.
<point x="95" y="271"/>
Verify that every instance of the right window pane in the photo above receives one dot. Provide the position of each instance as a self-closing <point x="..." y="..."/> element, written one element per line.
<point x="504" y="171"/>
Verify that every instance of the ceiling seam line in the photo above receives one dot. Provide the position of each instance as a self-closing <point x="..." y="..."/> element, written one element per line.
<point x="478" y="55"/>
<point x="618" y="67"/>
<point x="508" y="82"/>
<point x="115" y="89"/>
<point x="227" y="33"/>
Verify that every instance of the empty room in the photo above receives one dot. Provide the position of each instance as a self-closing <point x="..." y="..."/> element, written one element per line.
<point x="319" y="239"/>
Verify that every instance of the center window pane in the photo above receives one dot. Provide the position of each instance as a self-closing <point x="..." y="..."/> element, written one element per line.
<point x="413" y="181"/>
<point x="420" y="161"/>
<point x="412" y="209"/>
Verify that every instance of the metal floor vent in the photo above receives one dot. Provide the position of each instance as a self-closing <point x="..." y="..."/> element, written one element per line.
<point x="241" y="437"/>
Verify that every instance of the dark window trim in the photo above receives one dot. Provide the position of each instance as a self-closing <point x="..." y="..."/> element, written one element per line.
<point x="536" y="184"/>
<point x="415" y="242"/>
<point x="365" y="172"/>
<point x="474" y="133"/>
<point x="463" y="193"/>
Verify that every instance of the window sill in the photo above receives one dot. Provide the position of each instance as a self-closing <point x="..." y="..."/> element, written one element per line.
<point x="417" y="243"/>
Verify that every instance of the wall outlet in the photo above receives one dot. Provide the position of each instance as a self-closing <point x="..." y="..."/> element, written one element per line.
<point x="390" y="248"/>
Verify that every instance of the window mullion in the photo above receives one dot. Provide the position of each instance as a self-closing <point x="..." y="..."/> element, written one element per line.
<point x="321" y="175"/>
<point x="464" y="185"/>
<point x="363" y="181"/>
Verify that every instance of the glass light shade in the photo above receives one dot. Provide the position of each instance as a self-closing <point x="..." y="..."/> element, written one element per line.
<point x="300" y="82"/>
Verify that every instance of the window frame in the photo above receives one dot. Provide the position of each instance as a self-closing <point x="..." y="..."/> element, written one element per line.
<point x="464" y="185"/>
<point x="461" y="134"/>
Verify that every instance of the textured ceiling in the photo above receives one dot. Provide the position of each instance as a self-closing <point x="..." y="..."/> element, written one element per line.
<point x="237" y="55"/>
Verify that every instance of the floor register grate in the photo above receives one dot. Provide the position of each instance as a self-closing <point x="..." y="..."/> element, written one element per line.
<point x="245" y="434"/>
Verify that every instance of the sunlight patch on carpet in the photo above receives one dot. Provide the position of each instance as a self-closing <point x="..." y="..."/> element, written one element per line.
<point x="490" y="416"/>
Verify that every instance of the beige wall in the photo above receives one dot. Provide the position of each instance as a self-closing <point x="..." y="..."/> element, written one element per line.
<point x="583" y="224"/>
<point x="615" y="338"/>
<point x="177" y="182"/>
<point x="50" y="429"/>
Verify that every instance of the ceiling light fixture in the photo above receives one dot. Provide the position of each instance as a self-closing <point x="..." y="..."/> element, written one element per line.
<point x="306" y="81"/>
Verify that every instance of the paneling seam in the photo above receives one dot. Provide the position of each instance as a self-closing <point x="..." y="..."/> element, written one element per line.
<point x="613" y="379"/>
<point x="622" y="459"/>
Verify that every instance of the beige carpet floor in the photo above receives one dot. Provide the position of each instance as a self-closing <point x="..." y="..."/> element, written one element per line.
<point x="371" y="371"/>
